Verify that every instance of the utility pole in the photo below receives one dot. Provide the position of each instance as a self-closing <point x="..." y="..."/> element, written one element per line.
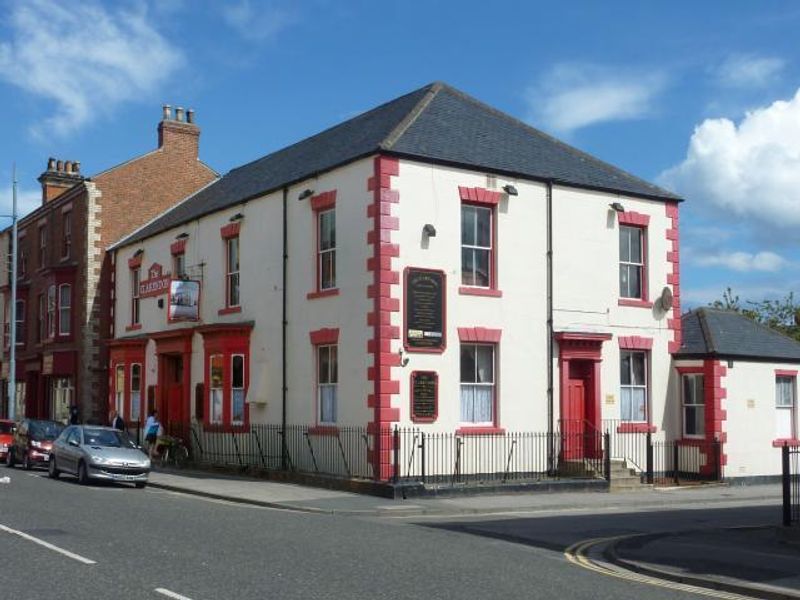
<point x="12" y="341"/>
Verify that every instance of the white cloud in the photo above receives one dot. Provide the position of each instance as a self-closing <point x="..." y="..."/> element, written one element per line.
<point x="256" y="23"/>
<point x="747" y="170"/>
<point x="749" y="71"/>
<point x="28" y="200"/>
<point x="85" y="57"/>
<point x="573" y="96"/>
<point x="743" y="261"/>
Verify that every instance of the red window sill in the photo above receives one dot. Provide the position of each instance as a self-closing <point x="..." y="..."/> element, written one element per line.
<point x="131" y="327"/>
<point x="780" y="443"/>
<point x="635" y="302"/>
<point x="423" y="420"/>
<point x="636" y="428"/>
<point x="480" y="430"/>
<point x="476" y="291"/>
<point x="229" y="310"/>
<point x="323" y="430"/>
<point x="322" y="293"/>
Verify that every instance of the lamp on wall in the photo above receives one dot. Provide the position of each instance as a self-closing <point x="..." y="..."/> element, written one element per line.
<point x="139" y="252"/>
<point x="510" y="190"/>
<point x="182" y="236"/>
<point x="429" y="230"/>
<point x="616" y="206"/>
<point x="305" y="194"/>
<point x="236" y="217"/>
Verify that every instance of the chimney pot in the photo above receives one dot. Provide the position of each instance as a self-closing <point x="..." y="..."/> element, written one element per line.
<point x="167" y="112"/>
<point x="60" y="166"/>
<point x="190" y="115"/>
<point x="76" y="167"/>
<point x="51" y="164"/>
<point x="179" y="113"/>
<point x="68" y="166"/>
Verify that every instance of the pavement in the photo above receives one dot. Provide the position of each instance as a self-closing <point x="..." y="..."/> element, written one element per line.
<point x="757" y="560"/>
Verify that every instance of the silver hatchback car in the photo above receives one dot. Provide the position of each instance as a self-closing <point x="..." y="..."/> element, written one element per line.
<point x="103" y="453"/>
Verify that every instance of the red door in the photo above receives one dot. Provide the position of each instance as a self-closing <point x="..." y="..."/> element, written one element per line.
<point x="573" y="421"/>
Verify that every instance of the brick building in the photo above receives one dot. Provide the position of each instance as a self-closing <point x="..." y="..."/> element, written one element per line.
<point x="63" y="301"/>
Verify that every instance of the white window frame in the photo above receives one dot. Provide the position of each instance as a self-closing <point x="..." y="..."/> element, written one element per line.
<point x="232" y="278"/>
<point x="62" y="309"/>
<point x="241" y="389"/>
<point x="475" y="248"/>
<point x="136" y="274"/>
<point x="66" y="224"/>
<point x="631" y="264"/>
<point x="475" y="384"/>
<point x="20" y="329"/>
<point x="179" y="265"/>
<point x="42" y="318"/>
<point x="42" y="246"/>
<point x="790" y="408"/>
<point x="51" y="311"/>
<point x="119" y="389"/>
<point x="632" y="386"/>
<point x="323" y="253"/>
<point x="216" y="402"/>
<point x="136" y="392"/>
<point x="328" y="383"/>
<point x="698" y="403"/>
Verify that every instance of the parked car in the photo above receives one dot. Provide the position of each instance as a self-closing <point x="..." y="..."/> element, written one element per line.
<point x="32" y="442"/>
<point x="6" y="437"/>
<point x="102" y="453"/>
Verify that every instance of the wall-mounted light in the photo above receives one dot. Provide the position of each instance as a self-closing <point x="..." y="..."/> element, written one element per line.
<point x="616" y="206"/>
<point x="429" y="230"/>
<point x="182" y="236"/>
<point x="236" y="217"/>
<point x="139" y="252"/>
<point x="403" y="359"/>
<point x="510" y="190"/>
<point x="305" y="194"/>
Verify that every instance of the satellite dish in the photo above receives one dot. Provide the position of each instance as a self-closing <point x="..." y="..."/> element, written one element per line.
<point x="666" y="298"/>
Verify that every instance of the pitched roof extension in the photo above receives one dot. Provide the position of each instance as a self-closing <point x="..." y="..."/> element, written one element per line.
<point x="436" y="123"/>
<point x="711" y="332"/>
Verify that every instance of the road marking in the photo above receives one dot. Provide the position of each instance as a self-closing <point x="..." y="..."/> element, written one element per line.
<point x="48" y="545"/>
<point x="169" y="594"/>
<point x="576" y="554"/>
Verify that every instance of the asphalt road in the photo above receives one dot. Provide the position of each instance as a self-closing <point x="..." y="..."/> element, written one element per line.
<point x="140" y="541"/>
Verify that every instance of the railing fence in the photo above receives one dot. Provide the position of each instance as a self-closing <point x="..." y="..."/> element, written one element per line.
<point x="790" y="470"/>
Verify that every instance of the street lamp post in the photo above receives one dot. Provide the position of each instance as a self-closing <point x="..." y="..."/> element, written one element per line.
<point x="12" y="339"/>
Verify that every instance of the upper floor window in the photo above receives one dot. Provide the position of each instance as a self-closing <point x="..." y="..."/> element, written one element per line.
<point x="179" y="265"/>
<point x="326" y="249"/>
<point x="66" y="233"/>
<point x="42" y="246"/>
<point x="477" y="383"/>
<point x="64" y="309"/>
<point x="20" y="329"/>
<point x="694" y="409"/>
<point x="232" y="272"/>
<point x="41" y="321"/>
<point x="785" y="417"/>
<point x="476" y="246"/>
<point x="327" y="382"/>
<point x="631" y="262"/>
<point x="135" y="278"/>
<point x="22" y="266"/>
<point x="51" y="311"/>
<point x="633" y="386"/>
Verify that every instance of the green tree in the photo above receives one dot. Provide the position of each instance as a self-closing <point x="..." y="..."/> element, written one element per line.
<point x="782" y="315"/>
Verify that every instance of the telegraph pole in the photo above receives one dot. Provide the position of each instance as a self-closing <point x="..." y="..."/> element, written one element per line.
<point x="12" y="341"/>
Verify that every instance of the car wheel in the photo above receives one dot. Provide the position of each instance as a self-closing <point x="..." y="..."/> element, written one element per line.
<point x="83" y="474"/>
<point x="10" y="458"/>
<point x="141" y="485"/>
<point x="26" y="462"/>
<point x="52" y="471"/>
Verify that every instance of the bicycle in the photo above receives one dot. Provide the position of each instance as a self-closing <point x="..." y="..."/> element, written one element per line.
<point x="172" y="451"/>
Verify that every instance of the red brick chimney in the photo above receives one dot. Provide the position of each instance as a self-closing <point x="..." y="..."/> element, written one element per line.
<point x="179" y="133"/>
<point x="59" y="177"/>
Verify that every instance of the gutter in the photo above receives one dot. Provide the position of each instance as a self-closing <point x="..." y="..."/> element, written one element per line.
<point x="284" y="323"/>
<point x="551" y="466"/>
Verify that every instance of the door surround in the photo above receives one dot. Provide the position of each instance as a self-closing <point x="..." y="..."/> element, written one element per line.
<point x="575" y="349"/>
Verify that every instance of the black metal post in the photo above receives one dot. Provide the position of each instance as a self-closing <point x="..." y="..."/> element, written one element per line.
<point x="649" y="457"/>
<point x="675" y="463"/>
<point x="787" y="491"/>
<point x="396" y="455"/>
<point x="607" y="456"/>
<point x="422" y="456"/>
<point x="717" y="460"/>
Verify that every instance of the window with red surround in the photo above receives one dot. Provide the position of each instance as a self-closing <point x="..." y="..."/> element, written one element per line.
<point x="178" y="251"/>
<point x="136" y="274"/>
<point x="326" y="351"/>
<point x="785" y="404"/>
<point x="633" y="269"/>
<point x="230" y="237"/>
<point x="324" y="207"/>
<point x="479" y="241"/>
<point x="127" y="379"/>
<point x="227" y="360"/>
<point x="479" y="400"/>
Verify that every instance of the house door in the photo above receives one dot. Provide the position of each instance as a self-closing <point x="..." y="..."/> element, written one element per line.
<point x="172" y="405"/>
<point x="574" y="420"/>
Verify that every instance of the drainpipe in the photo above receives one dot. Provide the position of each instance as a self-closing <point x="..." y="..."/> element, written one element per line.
<point x="550" y="413"/>
<point x="284" y="322"/>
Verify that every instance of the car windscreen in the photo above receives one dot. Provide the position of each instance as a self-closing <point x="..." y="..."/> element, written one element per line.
<point x="6" y="428"/>
<point x="45" y="430"/>
<point x="109" y="438"/>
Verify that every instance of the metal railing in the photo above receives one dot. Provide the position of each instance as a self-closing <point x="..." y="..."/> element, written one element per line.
<point x="790" y="475"/>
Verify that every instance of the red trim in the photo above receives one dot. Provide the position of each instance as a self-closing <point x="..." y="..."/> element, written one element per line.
<point x="479" y="195"/>
<point x="633" y="218"/>
<point x="323" y="201"/>
<point x="698" y="370"/>
<point x="565" y="337"/>
<point x="480" y="334"/>
<point x="635" y="342"/>
<point x="133" y="327"/>
<point x="415" y="418"/>
<point x="477" y="291"/>
<point x="323" y="430"/>
<point x="126" y="353"/>
<point x="322" y="293"/>
<point x="178" y="247"/>
<point x="227" y="342"/>
<point x="327" y="335"/>
<point x="634" y="302"/>
<point x="480" y="430"/>
<point x="384" y="302"/>
<point x="785" y="373"/>
<point x="413" y="349"/>
<point x="780" y="442"/>
<point x="230" y="230"/>
<point x="229" y="310"/>
<point x="673" y="276"/>
<point x="135" y="261"/>
<point x="631" y="427"/>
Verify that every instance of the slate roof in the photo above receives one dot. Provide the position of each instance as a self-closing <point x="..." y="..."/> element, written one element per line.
<point x="435" y="123"/>
<point x="710" y="332"/>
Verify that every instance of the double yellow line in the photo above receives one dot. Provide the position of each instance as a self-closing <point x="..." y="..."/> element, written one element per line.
<point x="577" y="554"/>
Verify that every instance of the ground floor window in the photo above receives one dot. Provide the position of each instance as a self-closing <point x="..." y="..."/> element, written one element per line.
<point x="477" y="383"/>
<point x="785" y="407"/>
<point x="216" y="376"/>
<point x="694" y="409"/>
<point x="119" y="390"/>
<point x="226" y="378"/>
<point x="19" y="399"/>
<point x="136" y="391"/>
<point x="633" y="386"/>
<point x="327" y="382"/>
<point x="62" y="397"/>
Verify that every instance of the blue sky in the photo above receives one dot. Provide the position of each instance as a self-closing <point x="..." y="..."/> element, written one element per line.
<point x="699" y="97"/>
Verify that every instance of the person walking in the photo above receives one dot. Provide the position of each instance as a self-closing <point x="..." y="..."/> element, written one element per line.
<point x="116" y="421"/>
<point x="151" y="429"/>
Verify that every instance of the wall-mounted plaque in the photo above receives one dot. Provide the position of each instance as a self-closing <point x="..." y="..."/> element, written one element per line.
<point x="424" y="396"/>
<point x="425" y="310"/>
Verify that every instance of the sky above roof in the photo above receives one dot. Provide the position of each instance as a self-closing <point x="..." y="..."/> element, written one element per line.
<point x="699" y="100"/>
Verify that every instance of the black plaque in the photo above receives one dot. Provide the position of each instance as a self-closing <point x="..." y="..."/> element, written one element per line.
<point x="425" y="294"/>
<point x="424" y="395"/>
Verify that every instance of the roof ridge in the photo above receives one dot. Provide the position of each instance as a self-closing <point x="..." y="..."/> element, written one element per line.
<point x="400" y="129"/>
<point x="555" y="140"/>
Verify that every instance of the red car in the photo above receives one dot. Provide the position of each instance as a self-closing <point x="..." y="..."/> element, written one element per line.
<point x="6" y="437"/>
<point x="33" y="441"/>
